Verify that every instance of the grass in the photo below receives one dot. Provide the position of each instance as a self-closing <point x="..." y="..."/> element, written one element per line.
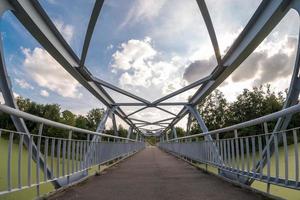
<point x="30" y="193"/>
<point x="282" y="192"/>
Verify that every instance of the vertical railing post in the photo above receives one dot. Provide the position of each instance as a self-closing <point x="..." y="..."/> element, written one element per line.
<point x="129" y="133"/>
<point x="69" y="156"/>
<point x="115" y="128"/>
<point x="204" y="129"/>
<point x="174" y="133"/>
<point x="38" y="160"/>
<point x="136" y="136"/>
<point x="188" y="126"/>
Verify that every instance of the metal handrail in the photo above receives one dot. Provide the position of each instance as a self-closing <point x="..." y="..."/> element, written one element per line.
<point x="239" y="156"/>
<point x="282" y="113"/>
<point x="67" y="159"/>
<point x="24" y="115"/>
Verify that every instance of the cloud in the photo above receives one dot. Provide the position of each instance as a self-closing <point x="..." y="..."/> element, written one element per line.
<point x="199" y="69"/>
<point x="250" y="66"/>
<point x="16" y="94"/>
<point x="47" y="73"/>
<point x="1" y="99"/>
<point x="66" y="30"/>
<point x="266" y="65"/>
<point x="140" y="65"/>
<point x="133" y="54"/>
<point x="24" y="84"/>
<point x="109" y="47"/>
<point x="44" y="93"/>
<point x="143" y="10"/>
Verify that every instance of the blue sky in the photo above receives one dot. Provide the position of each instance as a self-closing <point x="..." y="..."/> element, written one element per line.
<point x="148" y="47"/>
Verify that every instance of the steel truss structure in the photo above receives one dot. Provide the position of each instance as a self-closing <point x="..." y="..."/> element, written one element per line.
<point x="269" y="13"/>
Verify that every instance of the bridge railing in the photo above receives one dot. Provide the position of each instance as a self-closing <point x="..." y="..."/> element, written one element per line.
<point x="63" y="158"/>
<point x="270" y="157"/>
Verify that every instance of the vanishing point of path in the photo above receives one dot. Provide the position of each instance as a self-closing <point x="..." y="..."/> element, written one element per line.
<point x="153" y="174"/>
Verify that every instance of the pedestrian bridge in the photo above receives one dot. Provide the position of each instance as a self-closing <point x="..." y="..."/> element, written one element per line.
<point x="167" y="170"/>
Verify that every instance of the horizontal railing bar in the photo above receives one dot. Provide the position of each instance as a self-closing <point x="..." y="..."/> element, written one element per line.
<point x="24" y="115"/>
<point x="60" y="177"/>
<point x="272" y="180"/>
<point x="269" y="117"/>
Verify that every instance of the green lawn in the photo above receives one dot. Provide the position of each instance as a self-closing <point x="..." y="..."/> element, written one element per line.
<point x="285" y="193"/>
<point x="26" y="194"/>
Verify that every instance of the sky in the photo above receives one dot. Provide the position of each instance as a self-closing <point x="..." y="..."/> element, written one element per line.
<point x="147" y="47"/>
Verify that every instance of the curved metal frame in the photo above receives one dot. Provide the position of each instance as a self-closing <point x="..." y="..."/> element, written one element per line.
<point x="33" y="17"/>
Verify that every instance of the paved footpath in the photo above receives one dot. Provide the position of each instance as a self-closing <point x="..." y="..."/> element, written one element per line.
<point x="153" y="174"/>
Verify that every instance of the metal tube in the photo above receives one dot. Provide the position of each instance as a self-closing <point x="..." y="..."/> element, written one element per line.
<point x="20" y="161"/>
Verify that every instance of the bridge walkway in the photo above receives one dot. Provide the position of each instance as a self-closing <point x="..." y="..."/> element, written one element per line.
<point x="153" y="174"/>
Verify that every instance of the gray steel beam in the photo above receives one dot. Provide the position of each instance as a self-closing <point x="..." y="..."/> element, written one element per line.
<point x="36" y="21"/>
<point x="174" y="132"/>
<point x="129" y="132"/>
<point x="282" y="113"/>
<point x="152" y="105"/>
<point x="210" y="29"/>
<point x="119" y="90"/>
<point x="291" y="100"/>
<point x="115" y="128"/>
<point x="139" y="110"/>
<point x="166" y="111"/>
<point x="89" y="33"/>
<point x="184" y="89"/>
<point x="7" y="93"/>
<point x="265" y="18"/>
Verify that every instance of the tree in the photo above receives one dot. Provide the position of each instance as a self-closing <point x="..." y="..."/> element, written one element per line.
<point x="122" y="131"/>
<point x="68" y="118"/>
<point x="180" y="132"/>
<point x="218" y="113"/>
<point x="214" y="111"/>
<point x="93" y="117"/>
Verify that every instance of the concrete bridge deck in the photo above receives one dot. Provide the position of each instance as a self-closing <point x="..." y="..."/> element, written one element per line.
<point x="154" y="174"/>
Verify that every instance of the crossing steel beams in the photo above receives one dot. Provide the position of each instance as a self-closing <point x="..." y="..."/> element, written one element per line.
<point x="34" y="18"/>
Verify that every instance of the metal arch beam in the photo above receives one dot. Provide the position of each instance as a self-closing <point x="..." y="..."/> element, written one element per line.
<point x="166" y="111"/>
<point x="114" y="124"/>
<point x="188" y="126"/>
<point x="139" y="120"/>
<point x="36" y="21"/>
<point x="163" y="120"/>
<point x="210" y="29"/>
<point x="174" y="132"/>
<point x="129" y="132"/>
<point x="151" y="124"/>
<point x="89" y="33"/>
<point x="119" y="90"/>
<point x="139" y="110"/>
<point x="184" y="89"/>
<point x="7" y="93"/>
<point x="152" y="105"/>
<point x="265" y="18"/>
<point x="291" y="100"/>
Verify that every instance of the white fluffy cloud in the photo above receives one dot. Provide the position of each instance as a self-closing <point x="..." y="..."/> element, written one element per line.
<point x="44" y="93"/>
<point x="1" y="99"/>
<point x="47" y="73"/>
<point x="66" y="30"/>
<point x="140" y="65"/>
<point x="24" y="84"/>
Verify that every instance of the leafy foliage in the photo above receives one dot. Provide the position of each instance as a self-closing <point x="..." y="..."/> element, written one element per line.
<point x="217" y="112"/>
<point x="53" y="112"/>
